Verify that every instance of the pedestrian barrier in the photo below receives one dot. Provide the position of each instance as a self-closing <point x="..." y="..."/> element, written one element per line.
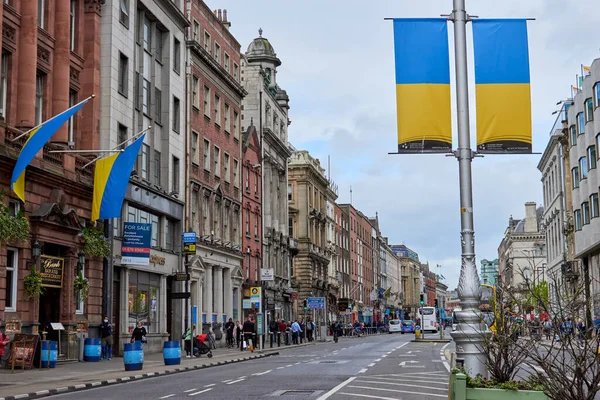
<point x="172" y="352"/>
<point x="133" y="356"/>
<point x="49" y="354"/>
<point x="92" y="350"/>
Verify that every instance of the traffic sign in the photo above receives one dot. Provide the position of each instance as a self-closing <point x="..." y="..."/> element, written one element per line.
<point x="189" y="243"/>
<point x="315" y="303"/>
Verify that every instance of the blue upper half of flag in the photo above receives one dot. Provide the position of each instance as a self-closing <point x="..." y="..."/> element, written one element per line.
<point x="421" y="51"/>
<point x="501" y="51"/>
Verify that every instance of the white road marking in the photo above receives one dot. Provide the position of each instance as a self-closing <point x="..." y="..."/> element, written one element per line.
<point x="371" y="365"/>
<point x="262" y="373"/>
<point x="190" y="390"/>
<point x="297" y="363"/>
<point x="167" y="396"/>
<point x="371" y="397"/>
<point x="407" y="355"/>
<point x="384" y="356"/>
<point x="443" y="381"/>
<point x="211" y="385"/>
<point x="232" y="382"/>
<point x="289" y="365"/>
<point x="337" y="388"/>
<point x="396" y="391"/>
<point x="202" y="391"/>
<point x="379" y="359"/>
<point x="362" y="371"/>
<point x="447" y="365"/>
<point x="446" y="345"/>
<point x="280" y="367"/>
<point x="228" y="380"/>
<point x="406" y="384"/>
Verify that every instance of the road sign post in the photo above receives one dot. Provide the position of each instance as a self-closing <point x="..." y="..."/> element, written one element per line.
<point x="189" y="248"/>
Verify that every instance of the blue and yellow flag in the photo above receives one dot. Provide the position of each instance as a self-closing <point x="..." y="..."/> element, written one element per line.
<point x="111" y="179"/>
<point x="502" y="86"/>
<point x="422" y="85"/>
<point x="36" y="141"/>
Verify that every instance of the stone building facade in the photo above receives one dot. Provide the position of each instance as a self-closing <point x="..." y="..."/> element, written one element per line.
<point x="489" y="271"/>
<point x="251" y="211"/>
<point x="522" y="251"/>
<point x="50" y="60"/>
<point x="410" y="273"/>
<point x="266" y="105"/>
<point x="307" y="209"/>
<point x="365" y="266"/>
<point x="333" y="280"/>
<point x="583" y="120"/>
<point x="213" y="179"/>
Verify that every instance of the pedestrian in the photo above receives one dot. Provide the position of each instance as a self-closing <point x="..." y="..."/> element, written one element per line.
<point x="229" y="327"/>
<point x="597" y="325"/>
<point x="296" y="332"/>
<point x="283" y="330"/>
<point x="237" y="331"/>
<point x="4" y="341"/>
<point x="309" y="330"/>
<point x="106" y="339"/>
<point x="187" y="341"/>
<point x="139" y="334"/>
<point x="248" y="329"/>
<point x="548" y="329"/>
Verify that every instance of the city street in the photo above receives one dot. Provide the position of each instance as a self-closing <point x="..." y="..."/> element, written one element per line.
<point x="375" y="367"/>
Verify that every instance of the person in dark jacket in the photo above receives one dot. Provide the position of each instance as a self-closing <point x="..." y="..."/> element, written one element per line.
<point x="139" y="333"/>
<point x="248" y="330"/>
<point x="229" y="326"/>
<point x="106" y="339"/>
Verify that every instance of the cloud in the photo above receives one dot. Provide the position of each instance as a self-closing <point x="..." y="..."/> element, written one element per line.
<point x="338" y="71"/>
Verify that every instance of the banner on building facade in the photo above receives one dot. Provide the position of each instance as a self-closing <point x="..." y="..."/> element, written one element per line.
<point x="52" y="271"/>
<point x="422" y="85"/>
<point x="502" y="86"/>
<point x="267" y="274"/>
<point x="135" y="248"/>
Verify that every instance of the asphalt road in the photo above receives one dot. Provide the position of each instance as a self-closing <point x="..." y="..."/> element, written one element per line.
<point x="375" y="367"/>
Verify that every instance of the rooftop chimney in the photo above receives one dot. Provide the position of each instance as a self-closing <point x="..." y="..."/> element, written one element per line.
<point x="220" y="16"/>
<point x="226" y="23"/>
<point x="530" y="217"/>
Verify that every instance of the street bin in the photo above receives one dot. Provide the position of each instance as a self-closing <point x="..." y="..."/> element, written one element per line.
<point x="81" y="336"/>
<point x="133" y="356"/>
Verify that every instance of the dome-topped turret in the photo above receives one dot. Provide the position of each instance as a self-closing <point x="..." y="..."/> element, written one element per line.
<point x="260" y="49"/>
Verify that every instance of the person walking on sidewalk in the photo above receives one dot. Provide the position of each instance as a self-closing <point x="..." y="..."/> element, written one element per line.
<point x="106" y="339"/>
<point x="229" y="327"/>
<point x="248" y="329"/>
<point x="309" y="330"/>
<point x="4" y="340"/>
<point x="296" y="330"/>
<point x="187" y="341"/>
<point x="139" y="334"/>
<point x="237" y="332"/>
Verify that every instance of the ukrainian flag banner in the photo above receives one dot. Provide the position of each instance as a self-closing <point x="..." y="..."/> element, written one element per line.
<point x="502" y="86"/>
<point x="38" y="137"/>
<point x="111" y="179"/>
<point x="422" y="85"/>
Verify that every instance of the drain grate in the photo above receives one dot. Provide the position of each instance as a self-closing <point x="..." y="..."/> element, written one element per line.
<point x="297" y="392"/>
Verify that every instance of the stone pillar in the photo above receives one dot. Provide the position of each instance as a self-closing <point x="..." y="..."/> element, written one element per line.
<point x="228" y="293"/>
<point x="162" y="305"/>
<point x="208" y="291"/>
<point x="218" y="279"/>
<point x="27" y="66"/>
<point x="62" y="64"/>
<point x="267" y="193"/>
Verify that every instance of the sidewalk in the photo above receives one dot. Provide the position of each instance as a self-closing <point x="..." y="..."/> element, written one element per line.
<point x="67" y="377"/>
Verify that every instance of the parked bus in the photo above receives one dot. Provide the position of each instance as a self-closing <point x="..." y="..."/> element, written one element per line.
<point x="428" y="319"/>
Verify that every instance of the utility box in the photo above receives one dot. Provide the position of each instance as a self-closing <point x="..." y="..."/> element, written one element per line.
<point x="81" y="336"/>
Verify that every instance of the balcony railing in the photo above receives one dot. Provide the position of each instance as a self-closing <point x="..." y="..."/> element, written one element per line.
<point x="53" y="158"/>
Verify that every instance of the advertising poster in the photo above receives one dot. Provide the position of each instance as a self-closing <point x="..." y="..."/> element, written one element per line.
<point x="135" y="249"/>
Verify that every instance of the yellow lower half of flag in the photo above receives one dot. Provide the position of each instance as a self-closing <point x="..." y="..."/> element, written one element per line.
<point x="423" y="112"/>
<point x="503" y="113"/>
<point x="101" y="175"/>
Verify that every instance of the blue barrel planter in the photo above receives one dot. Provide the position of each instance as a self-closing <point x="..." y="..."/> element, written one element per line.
<point x="133" y="356"/>
<point x="49" y="354"/>
<point x="172" y="353"/>
<point x="92" y="350"/>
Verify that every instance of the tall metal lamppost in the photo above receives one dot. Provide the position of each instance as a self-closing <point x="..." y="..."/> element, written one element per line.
<point x="471" y="331"/>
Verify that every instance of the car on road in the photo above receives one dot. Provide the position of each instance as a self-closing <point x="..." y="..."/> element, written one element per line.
<point x="408" y="326"/>
<point x="395" y="326"/>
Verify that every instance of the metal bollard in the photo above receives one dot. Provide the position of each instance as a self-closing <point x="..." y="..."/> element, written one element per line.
<point x="278" y="339"/>
<point x="271" y="339"/>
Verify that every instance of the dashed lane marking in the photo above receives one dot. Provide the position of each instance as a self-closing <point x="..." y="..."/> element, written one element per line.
<point x="167" y="396"/>
<point x="371" y="365"/>
<point x="210" y="385"/>
<point x="190" y="390"/>
<point x="200" y="392"/>
<point x="262" y="373"/>
<point x="362" y="371"/>
<point x="236" y="381"/>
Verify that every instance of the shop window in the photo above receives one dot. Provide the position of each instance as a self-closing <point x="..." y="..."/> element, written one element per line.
<point x="143" y="301"/>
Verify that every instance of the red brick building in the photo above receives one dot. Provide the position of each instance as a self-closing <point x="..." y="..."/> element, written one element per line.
<point x="366" y="260"/>
<point x="251" y="207"/>
<point x="49" y="62"/>
<point x="215" y="150"/>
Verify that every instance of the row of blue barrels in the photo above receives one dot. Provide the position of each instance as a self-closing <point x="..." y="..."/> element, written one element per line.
<point x="133" y="353"/>
<point x="49" y="354"/>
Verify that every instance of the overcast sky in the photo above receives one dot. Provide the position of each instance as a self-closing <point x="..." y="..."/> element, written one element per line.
<point x="338" y="69"/>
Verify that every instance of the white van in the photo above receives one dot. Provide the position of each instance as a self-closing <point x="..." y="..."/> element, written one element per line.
<point x="395" y="325"/>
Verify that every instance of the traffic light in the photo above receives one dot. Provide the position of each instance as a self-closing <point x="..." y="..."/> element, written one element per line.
<point x="422" y="298"/>
<point x="435" y="303"/>
<point x="305" y="304"/>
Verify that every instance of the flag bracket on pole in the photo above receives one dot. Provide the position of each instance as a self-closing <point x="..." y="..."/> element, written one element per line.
<point x="119" y="145"/>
